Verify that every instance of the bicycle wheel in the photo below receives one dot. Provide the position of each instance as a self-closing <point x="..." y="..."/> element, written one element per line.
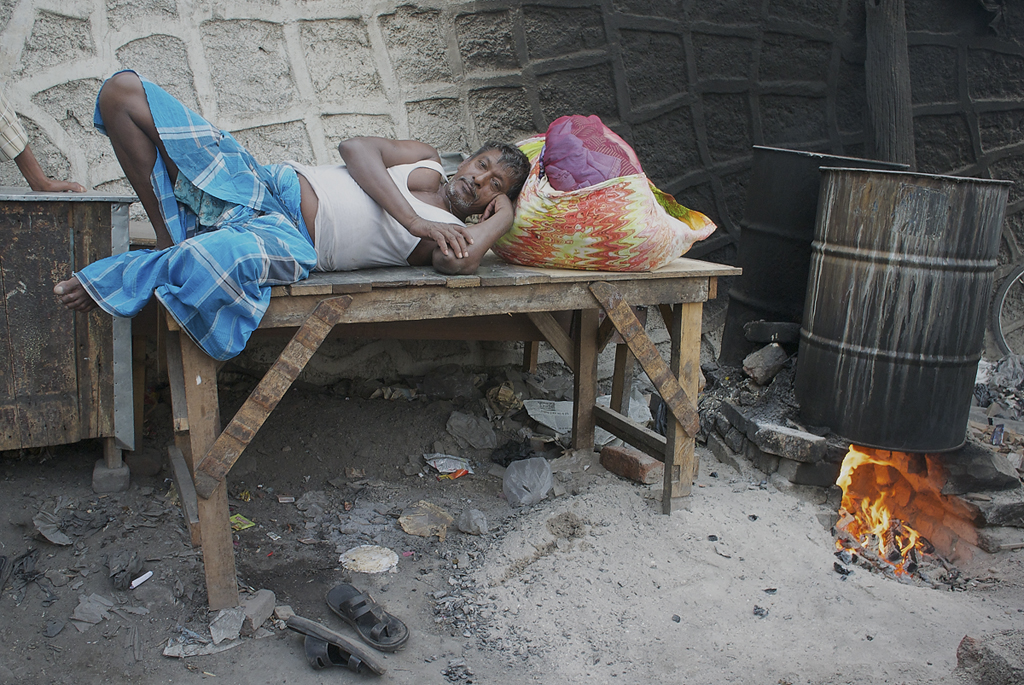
<point x="1008" y="313"/>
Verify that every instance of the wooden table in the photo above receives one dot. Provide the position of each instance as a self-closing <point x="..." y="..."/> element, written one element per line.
<point x="500" y="302"/>
<point x="64" y="376"/>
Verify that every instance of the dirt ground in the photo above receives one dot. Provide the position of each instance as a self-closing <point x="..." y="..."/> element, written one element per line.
<point x="594" y="585"/>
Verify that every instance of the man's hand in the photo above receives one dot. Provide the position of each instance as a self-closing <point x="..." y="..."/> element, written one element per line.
<point x="50" y="185"/>
<point x="499" y="204"/>
<point x="444" y="235"/>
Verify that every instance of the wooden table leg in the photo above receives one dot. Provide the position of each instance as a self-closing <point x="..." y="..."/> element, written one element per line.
<point x="622" y="379"/>
<point x="584" y="393"/>
<point x="531" y="352"/>
<point x="200" y="375"/>
<point x="680" y="462"/>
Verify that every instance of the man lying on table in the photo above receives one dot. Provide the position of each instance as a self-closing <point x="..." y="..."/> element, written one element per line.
<point x="229" y="228"/>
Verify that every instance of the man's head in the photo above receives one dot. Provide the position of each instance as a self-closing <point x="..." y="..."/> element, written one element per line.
<point x="496" y="168"/>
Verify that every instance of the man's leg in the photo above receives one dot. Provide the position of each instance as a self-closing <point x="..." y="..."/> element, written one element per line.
<point x="133" y="135"/>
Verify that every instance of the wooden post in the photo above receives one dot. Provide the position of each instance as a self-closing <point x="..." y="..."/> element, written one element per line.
<point x="584" y="371"/>
<point x="622" y="379"/>
<point x="200" y="379"/>
<point x="887" y="81"/>
<point x="531" y="352"/>
<point x="680" y="460"/>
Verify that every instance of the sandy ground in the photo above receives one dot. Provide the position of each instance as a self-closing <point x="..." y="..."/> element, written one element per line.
<point x="593" y="586"/>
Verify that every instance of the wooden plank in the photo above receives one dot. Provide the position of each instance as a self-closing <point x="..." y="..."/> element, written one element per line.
<point x="111" y="454"/>
<point x="186" y="490"/>
<point x="428" y="302"/>
<point x="306" y="288"/>
<point x="229" y="445"/>
<point x="179" y="409"/>
<point x="138" y="385"/>
<point x="661" y="376"/>
<point x="39" y="362"/>
<point x="584" y="390"/>
<point x="463" y="281"/>
<point x="680" y="460"/>
<point x="200" y="381"/>
<point x="555" y="335"/>
<point x="681" y="266"/>
<point x="622" y="378"/>
<point x="531" y="351"/>
<point x="622" y="427"/>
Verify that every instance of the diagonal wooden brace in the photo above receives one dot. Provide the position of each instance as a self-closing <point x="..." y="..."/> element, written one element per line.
<point x="628" y="326"/>
<point x="233" y="440"/>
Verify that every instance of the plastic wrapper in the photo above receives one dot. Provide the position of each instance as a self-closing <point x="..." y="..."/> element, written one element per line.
<point x="527" y="481"/>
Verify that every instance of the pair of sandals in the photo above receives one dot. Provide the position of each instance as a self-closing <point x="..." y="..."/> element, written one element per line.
<point x="326" y="648"/>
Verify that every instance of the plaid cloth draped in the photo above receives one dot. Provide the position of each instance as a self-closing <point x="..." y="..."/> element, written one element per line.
<point x="12" y="135"/>
<point x="215" y="280"/>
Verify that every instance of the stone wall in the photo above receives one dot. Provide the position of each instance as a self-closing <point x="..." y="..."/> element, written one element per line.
<point x="692" y="84"/>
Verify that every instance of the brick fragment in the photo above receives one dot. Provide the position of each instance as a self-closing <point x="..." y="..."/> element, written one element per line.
<point x="632" y="464"/>
<point x="735" y="439"/>
<point x="763" y="364"/>
<point x="722" y="452"/>
<point x="821" y="474"/>
<point x="790" y="443"/>
<point x="258" y="608"/>
<point x="762" y="461"/>
<point x="738" y="419"/>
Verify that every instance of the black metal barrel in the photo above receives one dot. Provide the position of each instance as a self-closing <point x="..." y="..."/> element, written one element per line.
<point x="775" y="240"/>
<point x="894" y="321"/>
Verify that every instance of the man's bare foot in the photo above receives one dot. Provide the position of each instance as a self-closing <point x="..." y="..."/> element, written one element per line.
<point x="73" y="296"/>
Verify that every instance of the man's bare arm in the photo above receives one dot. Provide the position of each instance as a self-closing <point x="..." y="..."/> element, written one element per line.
<point x="496" y="221"/>
<point x="368" y="159"/>
<point x="37" y="180"/>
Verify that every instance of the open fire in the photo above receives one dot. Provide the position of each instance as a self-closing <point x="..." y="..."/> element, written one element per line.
<point x="894" y="515"/>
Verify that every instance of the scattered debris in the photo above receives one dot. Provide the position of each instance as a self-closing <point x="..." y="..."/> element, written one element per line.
<point x="141" y="579"/>
<point x="472" y="521"/>
<point x="472" y="431"/>
<point x="239" y="522"/>
<point x="90" y="611"/>
<point x="763" y="365"/>
<point x="258" y="608"/>
<point x="425" y="519"/>
<point x="527" y="482"/>
<point x="369" y="559"/>
<point x="447" y="463"/>
<point x="124" y="565"/>
<point x="48" y="525"/>
<point x="226" y="625"/>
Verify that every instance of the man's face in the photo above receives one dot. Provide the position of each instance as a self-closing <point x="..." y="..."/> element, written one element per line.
<point x="477" y="181"/>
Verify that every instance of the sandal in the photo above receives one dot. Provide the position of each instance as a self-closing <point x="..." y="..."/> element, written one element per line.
<point x="376" y="626"/>
<point x="328" y="648"/>
<point x="323" y="654"/>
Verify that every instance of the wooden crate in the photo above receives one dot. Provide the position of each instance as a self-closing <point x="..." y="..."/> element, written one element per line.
<point x="64" y="376"/>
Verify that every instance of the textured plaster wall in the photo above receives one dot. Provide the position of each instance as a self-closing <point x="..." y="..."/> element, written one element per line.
<point x="692" y="84"/>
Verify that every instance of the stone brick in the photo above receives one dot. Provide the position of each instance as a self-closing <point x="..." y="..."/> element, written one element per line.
<point x="942" y="143"/>
<point x="72" y="104"/>
<point x="762" y="365"/>
<point x="722" y="452"/>
<point x="820" y="13"/>
<point x="992" y="658"/>
<point x="57" y="39"/>
<point x="986" y="74"/>
<point x="672" y="130"/>
<point x="787" y="119"/>
<point x="632" y="464"/>
<point x="648" y="85"/>
<point x="999" y="129"/>
<point x="110" y="480"/>
<point x="1010" y="168"/>
<point x="249" y="66"/>
<point x="735" y="439"/>
<point x="933" y="74"/>
<point x="271" y="144"/>
<point x="718" y="56"/>
<point x="282" y="612"/>
<point x="258" y="608"/>
<point x="975" y="468"/>
<point x="417" y="44"/>
<point x="727" y="120"/>
<point x="793" y="58"/>
<point x="557" y="31"/>
<point x="762" y="461"/>
<point x="163" y="60"/>
<point x="120" y="13"/>
<point x="339" y="127"/>
<point x="790" y="443"/>
<point x="590" y="90"/>
<point x="722" y="425"/>
<point x="738" y="418"/>
<point x="486" y="42"/>
<point x="340" y="60"/>
<point x="438" y="122"/>
<point x="501" y="114"/>
<point x="772" y="331"/>
<point x="821" y="474"/>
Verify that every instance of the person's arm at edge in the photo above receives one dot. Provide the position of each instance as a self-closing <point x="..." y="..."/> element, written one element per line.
<point x="495" y="222"/>
<point x="37" y="180"/>
<point x="368" y="159"/>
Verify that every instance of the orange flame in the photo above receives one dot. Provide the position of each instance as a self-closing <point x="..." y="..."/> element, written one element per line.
<point x="875" y="503"/>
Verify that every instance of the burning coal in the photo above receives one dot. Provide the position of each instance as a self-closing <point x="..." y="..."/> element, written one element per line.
<point x="894" y="514"/>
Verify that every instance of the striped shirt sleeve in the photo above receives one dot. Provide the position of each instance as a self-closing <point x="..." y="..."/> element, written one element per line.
<point x="12" y="135"/>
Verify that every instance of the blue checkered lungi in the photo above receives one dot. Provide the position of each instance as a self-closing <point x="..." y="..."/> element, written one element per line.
<point x="215" y="280"/>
